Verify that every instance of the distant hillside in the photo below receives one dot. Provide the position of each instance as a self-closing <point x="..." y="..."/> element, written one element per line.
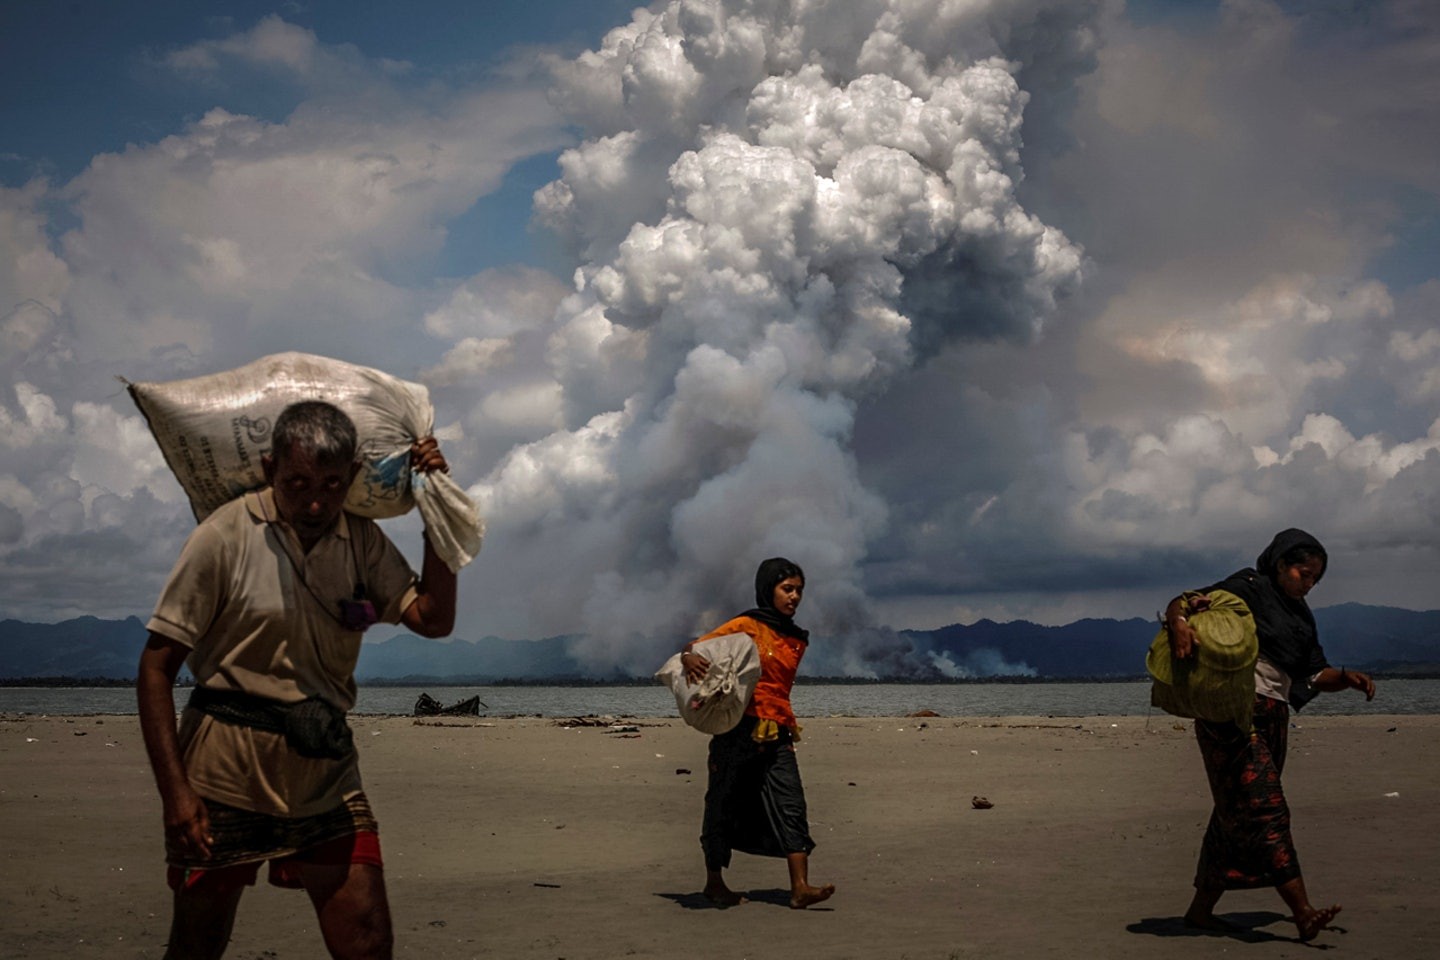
<point x="83" y="647"/>
<point x="1092" y="648"/>
<point x="1354" y="635"/>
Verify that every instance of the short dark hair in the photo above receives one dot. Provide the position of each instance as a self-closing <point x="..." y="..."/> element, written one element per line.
<point x="319" y="428"/>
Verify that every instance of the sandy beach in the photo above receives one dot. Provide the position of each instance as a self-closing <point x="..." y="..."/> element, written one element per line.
<point x="521" y="838"/>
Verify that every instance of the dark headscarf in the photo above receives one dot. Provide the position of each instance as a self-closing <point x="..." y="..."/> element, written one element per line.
<point x="1284" y="625"/>
<point x="771" y="574"/>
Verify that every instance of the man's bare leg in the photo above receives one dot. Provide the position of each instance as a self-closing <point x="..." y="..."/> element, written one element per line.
<point x="802" y="894"/>
<point x="718" y="893"/>
<point x="202" y="922"/>
<point x="1308" y="920"/>
<point x="352" y="908"/>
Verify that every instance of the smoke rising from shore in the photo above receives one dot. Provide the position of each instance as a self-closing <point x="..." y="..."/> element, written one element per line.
<point x="777" y="209"/>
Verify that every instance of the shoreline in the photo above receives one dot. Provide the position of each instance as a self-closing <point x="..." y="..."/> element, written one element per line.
<point x="101" y="683"/>
<point x="525" y="838"/>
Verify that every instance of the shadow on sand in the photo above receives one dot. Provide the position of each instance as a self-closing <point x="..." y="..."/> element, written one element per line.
<point x="776" y="897"/>
<point x="1246" y="928"/>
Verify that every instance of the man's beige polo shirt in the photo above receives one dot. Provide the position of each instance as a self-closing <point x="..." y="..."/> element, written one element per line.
<point x="256" y="612"/>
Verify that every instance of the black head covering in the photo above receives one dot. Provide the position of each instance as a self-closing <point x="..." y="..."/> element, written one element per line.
<point x="1268" y="563"/>
<point x="1284" y="625"/>
<point x="771" y="574"/>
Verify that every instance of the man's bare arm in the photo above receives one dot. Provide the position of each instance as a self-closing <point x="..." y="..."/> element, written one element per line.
<point x="433" y="612"/>
<point x="186" y="818"/>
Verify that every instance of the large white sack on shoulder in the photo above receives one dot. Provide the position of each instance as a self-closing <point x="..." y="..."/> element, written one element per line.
<point x="716" y="704"/>
<point x="213" y="430"/>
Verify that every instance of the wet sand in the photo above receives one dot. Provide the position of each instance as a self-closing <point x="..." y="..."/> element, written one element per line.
<point x="520" y="838"/>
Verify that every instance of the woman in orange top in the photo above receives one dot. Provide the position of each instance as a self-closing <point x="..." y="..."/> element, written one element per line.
<point x="755" y="802"/>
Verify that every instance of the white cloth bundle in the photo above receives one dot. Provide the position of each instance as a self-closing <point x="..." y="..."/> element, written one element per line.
<point x="718" y="701"/>
<point x="214" y="429"/>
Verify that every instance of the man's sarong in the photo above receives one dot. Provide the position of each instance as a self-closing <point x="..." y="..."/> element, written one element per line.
<point x="245" y="838"/>
<point x="1247" y="843"/>
<point x="755" y="802"/>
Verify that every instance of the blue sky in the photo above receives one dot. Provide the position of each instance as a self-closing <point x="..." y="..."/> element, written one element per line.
<point x="84" y="76"/>
<point x="1022" y="309"/>
<point x="84" y="79"/>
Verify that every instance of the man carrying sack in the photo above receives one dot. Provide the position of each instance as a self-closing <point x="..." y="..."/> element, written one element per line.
<point x="267" y="605"/>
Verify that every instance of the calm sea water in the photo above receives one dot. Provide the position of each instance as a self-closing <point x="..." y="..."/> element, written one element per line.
<point x="811" y="700"/>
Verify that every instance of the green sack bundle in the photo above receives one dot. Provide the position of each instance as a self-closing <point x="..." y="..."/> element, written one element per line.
<point x="1218" y="681"/>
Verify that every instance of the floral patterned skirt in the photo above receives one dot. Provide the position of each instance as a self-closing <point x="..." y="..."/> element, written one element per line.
<point x="1247" y="843"/>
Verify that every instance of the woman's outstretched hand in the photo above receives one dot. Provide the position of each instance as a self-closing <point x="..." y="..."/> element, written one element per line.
<point x="1359" y="681"/>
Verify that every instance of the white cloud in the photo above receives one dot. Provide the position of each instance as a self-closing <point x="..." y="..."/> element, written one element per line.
<point x="39" y="419"/>
<point x="497" y="303"/>
<point x="1411" y="347"/>
<point x="230" y="238"/>
<point x="236" y="233"/>
<point x="29" y="269"/>
<point x="287" y="49"/>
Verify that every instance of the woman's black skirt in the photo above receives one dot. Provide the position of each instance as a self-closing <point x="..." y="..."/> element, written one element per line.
<point x="755" y="802"/>
<point x="1247" y="843"/>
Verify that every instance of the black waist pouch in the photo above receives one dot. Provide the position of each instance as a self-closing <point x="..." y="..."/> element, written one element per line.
<point x="314" y="728"/>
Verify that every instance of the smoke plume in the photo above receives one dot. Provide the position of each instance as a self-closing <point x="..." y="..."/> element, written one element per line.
<point x="777" y="209"/>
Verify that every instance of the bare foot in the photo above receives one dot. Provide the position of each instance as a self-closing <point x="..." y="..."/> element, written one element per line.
<point x="802" y="897"/>
<point x="1314" y="921"/>
<point x="723" y="896"/>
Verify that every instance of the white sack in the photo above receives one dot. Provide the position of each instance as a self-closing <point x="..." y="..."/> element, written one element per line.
<point x="214" y="429"/>
<point x="716" y="704"/>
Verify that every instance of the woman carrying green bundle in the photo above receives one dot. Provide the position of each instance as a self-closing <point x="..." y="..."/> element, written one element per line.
<point x="1247" y="843"/>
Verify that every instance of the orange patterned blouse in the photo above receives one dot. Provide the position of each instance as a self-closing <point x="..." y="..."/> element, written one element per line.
<point x="779" y="659"/>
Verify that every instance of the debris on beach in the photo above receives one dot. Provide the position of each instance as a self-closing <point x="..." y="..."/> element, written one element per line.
<point x="424" y="722"/>
<point x="428" y="706"/>
<point x="682" y="771"/>
<point x="623" y="728"/>
<point x="980" y="803"/>
<point x="588" y="721"/>
<point x="923" y="713"/>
